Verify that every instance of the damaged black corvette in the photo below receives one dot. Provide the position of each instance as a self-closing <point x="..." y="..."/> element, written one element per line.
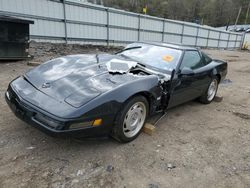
<point x="98" y="95"/>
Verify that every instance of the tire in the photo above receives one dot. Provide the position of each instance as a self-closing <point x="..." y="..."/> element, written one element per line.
<point x="131" y="119"/>
<point x="211" y="92"/>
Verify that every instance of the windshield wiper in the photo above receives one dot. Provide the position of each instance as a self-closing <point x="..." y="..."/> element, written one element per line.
<point x="126" y="49"/>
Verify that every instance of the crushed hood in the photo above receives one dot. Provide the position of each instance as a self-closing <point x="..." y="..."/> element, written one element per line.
<point x="77" y="79"/>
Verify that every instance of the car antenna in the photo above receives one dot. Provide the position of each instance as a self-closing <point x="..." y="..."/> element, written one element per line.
<point x="98" y="60"/>
<point x="165" y="107"/>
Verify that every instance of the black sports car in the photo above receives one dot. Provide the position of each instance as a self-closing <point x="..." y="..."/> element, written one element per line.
<point x="97" y="95"/>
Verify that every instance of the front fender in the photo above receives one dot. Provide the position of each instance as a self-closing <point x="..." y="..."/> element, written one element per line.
<point x="110" y="102"/>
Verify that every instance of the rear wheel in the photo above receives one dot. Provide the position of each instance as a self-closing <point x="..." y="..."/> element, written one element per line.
<point x="209" y="95"/>
<point x="131" y="119"/>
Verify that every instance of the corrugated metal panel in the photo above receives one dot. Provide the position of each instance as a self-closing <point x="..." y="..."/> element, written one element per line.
<point x="172" y="38"/>
<point x="231" y="44"/>
<point x="33" y="7"/>
<point x="232" y="37"/>
<point x="212" y="43"/>
<point x="224" y="36"/>
<point x="47" y="28"/>
<point x="237" y="44"/>
<point x="93" y="24"/>
<point x="189" y="41"/>
<point x="154" y="25"/>
<point x="148" y="36"/>
<point x="190" y="30"/>
<point x="201" y="42"/>
<point x="123" y="20"/>
<point x="223" y="44"/>
<point x="214" y="34"/>
<point x="173" y="28"/>
<point x="247" y="38"/>
<point x="123" y="35"/>
<point x="203" y="32"/>
<point x="86" y="31"/>
<point x="84" y="14"/>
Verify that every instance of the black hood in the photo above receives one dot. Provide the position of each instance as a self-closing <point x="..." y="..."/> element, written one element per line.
<point x="77" y="79"/>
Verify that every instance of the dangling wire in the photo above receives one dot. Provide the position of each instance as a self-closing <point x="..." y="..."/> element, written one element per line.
<point x="170" y="91"/>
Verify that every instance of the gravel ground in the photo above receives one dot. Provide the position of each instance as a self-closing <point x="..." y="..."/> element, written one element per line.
<point x="195" y="145"/>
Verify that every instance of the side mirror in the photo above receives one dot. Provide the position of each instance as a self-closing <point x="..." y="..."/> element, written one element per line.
<point x="187" y="72"/>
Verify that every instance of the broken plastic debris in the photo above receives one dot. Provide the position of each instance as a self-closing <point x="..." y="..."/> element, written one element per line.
<point x="79" y="172"/>
<point x="170" y="166"/>
<point x="31" y="147"/>
<point x="110" y="168"/>
<point x="120" y="66"/>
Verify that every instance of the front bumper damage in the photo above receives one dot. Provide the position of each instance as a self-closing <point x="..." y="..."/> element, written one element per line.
<point x="52" y="125"/>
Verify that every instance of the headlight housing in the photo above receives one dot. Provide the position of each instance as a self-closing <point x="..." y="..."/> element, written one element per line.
<point x="81" y="125"/>
<point x="47" y="120"/>
<point x="94" y="123"/>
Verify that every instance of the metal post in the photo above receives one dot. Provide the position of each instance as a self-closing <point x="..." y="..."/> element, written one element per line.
<point x="242" y="40"/>
<point x="228" y="40"/>
<point x="139" y="27"/>
<point x="107" y="26"/>
<point x="163" y="31"/>
<point x="182" y="32"/>
<point x="208" y="36"/>
<point x="197" y="36"/>
<point x="218" y="45"/>
<point x="236" y="41"/>
<point x="65" y="22"/>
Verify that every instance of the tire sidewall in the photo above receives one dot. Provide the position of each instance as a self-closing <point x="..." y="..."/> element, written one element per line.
<point x="204" y="98"/>
<point x="206" y="101"/>
<point x="119" y="134"/>
<point x="214" y="78"/>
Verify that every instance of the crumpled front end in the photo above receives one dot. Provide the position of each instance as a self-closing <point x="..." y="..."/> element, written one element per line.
<point x="51" y="116"/>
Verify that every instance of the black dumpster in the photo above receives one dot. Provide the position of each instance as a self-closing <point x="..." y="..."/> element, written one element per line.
<point x="14" y="38"/>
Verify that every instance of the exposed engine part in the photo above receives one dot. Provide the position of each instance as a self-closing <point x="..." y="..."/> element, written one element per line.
<point x="167" y="88"/>
<point x="120" y="66"/>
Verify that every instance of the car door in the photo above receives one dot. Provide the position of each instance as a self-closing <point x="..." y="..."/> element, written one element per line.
<point x="203" y="73"/>
<point x="188" y="86"/>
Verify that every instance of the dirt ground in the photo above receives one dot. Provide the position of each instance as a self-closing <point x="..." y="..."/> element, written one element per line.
<point x="195" y="145"/>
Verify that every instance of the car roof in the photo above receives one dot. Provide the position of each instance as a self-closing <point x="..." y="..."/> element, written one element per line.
<point x="170" y="45"/>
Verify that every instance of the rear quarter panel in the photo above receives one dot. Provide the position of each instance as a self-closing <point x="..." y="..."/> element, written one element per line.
<point x="222" y="68"/>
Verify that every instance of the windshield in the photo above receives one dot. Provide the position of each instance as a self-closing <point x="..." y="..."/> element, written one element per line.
<point x="162" y="58"/>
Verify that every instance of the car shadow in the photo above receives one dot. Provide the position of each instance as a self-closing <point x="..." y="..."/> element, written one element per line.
<point x="174" y="110"/>
<point x="152" y="120"/>
<point x="39" y="139"/>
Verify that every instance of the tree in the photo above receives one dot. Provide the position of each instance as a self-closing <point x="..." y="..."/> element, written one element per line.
<point x="212" y="12"/>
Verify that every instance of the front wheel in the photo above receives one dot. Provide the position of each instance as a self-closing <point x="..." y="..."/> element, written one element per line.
<point x="210" y="94"/>
<point x="131" y="119"/>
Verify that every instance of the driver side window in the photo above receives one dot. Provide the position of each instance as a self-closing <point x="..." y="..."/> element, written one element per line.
<point x="192" y="60"/>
